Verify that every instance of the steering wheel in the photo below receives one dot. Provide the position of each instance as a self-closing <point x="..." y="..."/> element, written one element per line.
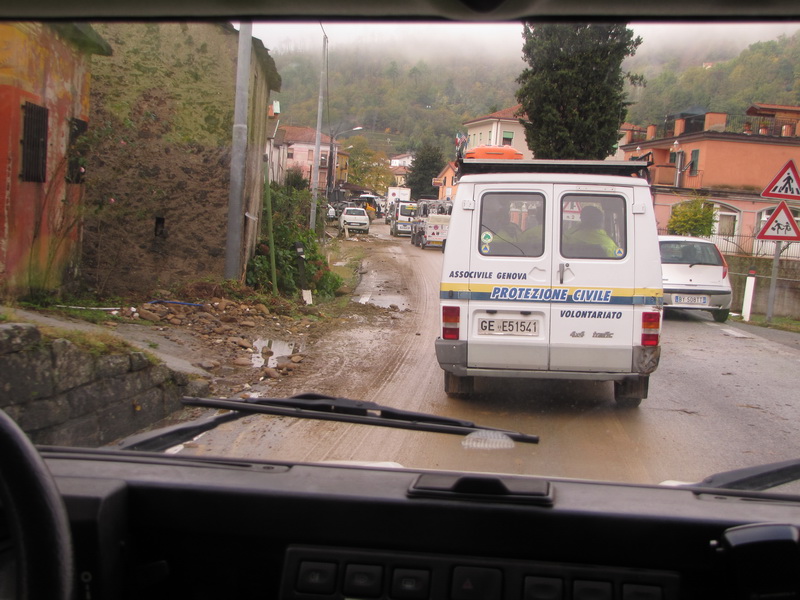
<point x="36" y="518"/>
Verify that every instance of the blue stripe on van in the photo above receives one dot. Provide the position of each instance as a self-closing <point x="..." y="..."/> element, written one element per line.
<point x="542" y="295"/>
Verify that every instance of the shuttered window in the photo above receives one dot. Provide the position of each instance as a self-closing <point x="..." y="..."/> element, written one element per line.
<point x="34" y="143"/>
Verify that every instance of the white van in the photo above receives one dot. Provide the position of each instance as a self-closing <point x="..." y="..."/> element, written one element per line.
<point x="402" y="215"/>
<point x="551" y="270"/>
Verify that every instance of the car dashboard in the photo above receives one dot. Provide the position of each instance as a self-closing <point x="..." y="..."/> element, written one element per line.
<point x="157" y="526"/>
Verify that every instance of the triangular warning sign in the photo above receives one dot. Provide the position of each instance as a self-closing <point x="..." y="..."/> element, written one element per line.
<point x="781" y="226"/>
<point x="786" y="186"/>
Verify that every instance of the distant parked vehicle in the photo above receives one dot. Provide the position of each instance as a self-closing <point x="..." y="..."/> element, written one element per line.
<point x="355" y="219"/>
<point x="695" y="276"/>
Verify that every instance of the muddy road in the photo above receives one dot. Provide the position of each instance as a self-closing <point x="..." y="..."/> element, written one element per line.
<point x="715" y="403"/>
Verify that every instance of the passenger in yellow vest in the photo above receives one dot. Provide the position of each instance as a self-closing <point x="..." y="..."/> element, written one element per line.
<point x="532" y="237"/>
<point x="590" y="231"/>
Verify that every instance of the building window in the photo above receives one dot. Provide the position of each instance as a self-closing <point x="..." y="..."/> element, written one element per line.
<point x="695" y="162"/>
<point x="508" y="138"/>
<point x="726" y="223"/>
<point x="76" y="150"/>
<point x="34" y="143"/>
<point x="310" y="156"/>
<point x="290" y="153"/>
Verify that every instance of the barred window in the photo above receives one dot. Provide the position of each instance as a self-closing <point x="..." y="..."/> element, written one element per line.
<point x="34" y="143"/>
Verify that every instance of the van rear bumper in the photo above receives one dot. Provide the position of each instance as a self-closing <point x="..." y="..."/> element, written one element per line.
<point x="452" y="357"/>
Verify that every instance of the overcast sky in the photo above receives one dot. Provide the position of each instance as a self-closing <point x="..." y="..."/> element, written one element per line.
<point x="505" y="39"/>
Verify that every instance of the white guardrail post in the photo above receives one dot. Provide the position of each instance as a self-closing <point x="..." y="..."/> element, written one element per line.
<point x="749" y="287"/>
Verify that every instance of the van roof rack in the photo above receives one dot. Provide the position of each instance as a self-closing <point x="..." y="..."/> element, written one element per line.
<point x="626" y="168"/>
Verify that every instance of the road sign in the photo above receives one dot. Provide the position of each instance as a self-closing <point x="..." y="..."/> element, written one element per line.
<point x="781" y="226"/>
<point x="785" y="186"/>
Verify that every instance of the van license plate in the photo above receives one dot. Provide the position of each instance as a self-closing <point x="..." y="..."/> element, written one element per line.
<point x="508" y="327"/>
<point x="691" y="299"/>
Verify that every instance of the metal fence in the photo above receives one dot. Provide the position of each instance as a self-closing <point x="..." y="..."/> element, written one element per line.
<point x="748" y="245"/>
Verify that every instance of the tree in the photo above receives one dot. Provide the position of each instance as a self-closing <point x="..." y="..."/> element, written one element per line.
<point x="427" y="164"/>
<point x="573" y="91"/>
<point x="693" y="217"/>
<point x="368" y="168"/>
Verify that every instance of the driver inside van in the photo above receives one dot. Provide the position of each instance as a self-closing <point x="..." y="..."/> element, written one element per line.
<point x="498" y="233"/>
<point x="590" y="232"/>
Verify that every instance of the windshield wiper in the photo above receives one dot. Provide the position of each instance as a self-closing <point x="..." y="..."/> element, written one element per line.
<point x="308" y="406"/>
<point x="758" y="478"/>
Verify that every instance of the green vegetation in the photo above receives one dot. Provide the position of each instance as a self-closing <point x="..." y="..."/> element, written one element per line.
<point x="764" y="72"/>
<point x="427" y="164"/>
<point x="402" y="103"/>
<point x="782" y="323"/>
<point x="572" y="92"/>
<point x="290" y="207"/>
<point x="695" y="217"/>
<point x="399" y="102"/>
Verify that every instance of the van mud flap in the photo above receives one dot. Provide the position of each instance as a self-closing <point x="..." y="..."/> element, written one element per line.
<point x="646" y="358"/>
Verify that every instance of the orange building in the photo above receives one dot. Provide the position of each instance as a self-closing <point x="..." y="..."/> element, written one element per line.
<point x="727" y="160"/>
<point x="44" y="109"/>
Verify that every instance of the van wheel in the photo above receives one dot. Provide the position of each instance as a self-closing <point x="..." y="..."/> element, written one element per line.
<point x="631" y="392"/>
<point x="458" y="387"/>
<point x="720" y="316"/>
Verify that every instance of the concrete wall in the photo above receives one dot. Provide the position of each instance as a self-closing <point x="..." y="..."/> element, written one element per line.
<point x="60" y="394"/>
<point x="787" y="291"/>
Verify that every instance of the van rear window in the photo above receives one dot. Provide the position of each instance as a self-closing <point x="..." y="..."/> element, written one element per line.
<point x="593" y="226"/>
<point x="512" y="224"/>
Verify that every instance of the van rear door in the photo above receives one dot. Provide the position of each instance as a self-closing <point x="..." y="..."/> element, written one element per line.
<point x="510" y="277"/>
<point x="592" y="328"/>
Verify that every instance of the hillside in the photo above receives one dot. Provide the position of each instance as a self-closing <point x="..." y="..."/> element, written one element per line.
<point x="405" y="94"/>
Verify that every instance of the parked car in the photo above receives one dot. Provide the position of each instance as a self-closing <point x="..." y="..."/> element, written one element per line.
<point x="695" y="275"/>
<point x="355" y="219"/>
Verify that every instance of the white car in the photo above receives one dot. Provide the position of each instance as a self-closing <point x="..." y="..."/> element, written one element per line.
<point x="695" y="275"/>
<point x="355" y="219"/>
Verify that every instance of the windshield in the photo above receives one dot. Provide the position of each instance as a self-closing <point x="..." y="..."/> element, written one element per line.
<point x="158" y="255"/>
<point x="688" y="253"/>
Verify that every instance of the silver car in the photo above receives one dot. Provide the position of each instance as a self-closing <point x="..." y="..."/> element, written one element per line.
<point x="695" y="275"/>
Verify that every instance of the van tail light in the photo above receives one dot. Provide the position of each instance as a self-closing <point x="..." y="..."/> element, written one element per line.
<point x="651" y="328"/>
<point x="451" y="322"/>
<point x="724" y="266"/>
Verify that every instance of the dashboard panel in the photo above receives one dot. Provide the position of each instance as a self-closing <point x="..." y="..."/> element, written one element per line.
<point x="166" y="527"/>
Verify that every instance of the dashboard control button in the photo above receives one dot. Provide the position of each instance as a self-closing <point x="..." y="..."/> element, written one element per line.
<point x="363" y="581"/>
<point x="316" y="577"/>
<point x="411" y="584"/>
<point x="543" y="588"/>
<point x="476" y="583"/>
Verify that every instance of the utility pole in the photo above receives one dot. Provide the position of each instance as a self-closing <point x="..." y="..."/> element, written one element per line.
<point x="233" y="243"/>
<point x="315" y="166"/>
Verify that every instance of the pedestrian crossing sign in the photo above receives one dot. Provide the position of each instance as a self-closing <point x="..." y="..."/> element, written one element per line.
<point x="786" y="186"/>
<point x="781" y="226"/>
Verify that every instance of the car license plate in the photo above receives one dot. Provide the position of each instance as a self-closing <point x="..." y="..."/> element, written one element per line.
<point x="508" y="327"/>
<point x="691" y="299"/>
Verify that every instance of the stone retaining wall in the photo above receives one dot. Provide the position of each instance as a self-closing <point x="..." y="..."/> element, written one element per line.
<point x="60" y="394"/>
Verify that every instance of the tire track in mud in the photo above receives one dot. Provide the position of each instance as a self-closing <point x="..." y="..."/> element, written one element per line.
<point x="375" y="357"/>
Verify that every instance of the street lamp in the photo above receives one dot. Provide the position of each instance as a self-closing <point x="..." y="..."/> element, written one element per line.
<point x="333" y="159"/>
